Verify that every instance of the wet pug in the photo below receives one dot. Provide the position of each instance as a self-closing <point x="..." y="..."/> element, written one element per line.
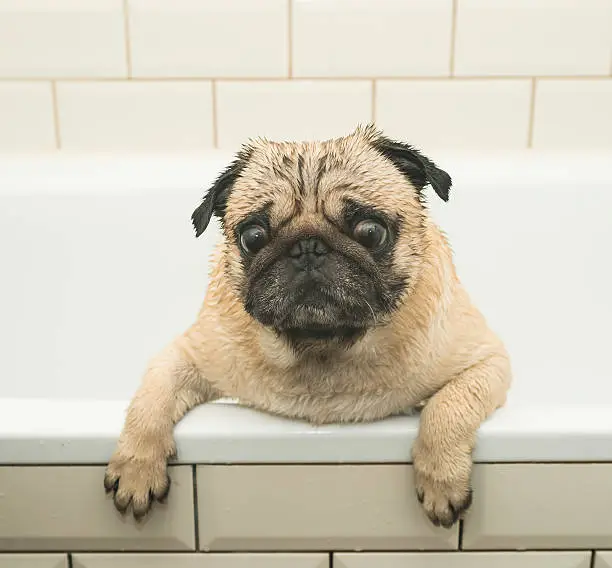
<point x="333" y="298"/>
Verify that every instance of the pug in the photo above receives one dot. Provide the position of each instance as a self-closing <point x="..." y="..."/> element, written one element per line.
<point x="333" y="298"/>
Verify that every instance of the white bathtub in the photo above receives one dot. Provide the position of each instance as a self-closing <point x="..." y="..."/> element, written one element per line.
<point x="84" y="304"/>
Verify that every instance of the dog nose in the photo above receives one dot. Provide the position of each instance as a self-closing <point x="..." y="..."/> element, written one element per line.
<point x="311" y="246"/>
<point x="308" y="254"/>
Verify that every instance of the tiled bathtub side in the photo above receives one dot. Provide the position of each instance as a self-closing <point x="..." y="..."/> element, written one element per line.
<point x="229" y="516"/>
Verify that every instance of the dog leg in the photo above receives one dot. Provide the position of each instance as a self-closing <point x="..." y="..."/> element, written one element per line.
<point x="442" y="453"/>
<point x="137" y="472"/>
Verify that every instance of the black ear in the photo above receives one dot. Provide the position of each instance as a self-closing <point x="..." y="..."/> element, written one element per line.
<point x="215" y="200"/>
<point x="419" y="169"/>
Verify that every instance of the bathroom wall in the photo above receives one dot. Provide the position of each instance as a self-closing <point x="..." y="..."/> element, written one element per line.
<point x="181" y="75"/>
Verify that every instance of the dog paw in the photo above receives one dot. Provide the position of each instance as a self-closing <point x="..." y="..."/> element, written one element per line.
<point x="443" y="488"/>
<point x="136" y="482"/>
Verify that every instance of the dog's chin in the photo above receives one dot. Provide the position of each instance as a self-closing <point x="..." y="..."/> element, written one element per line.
<point x="324" y="325"/>
<point x="323" y="334"/>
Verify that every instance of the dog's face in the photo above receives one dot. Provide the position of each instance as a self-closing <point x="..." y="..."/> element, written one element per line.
<point x="324" y="240"/>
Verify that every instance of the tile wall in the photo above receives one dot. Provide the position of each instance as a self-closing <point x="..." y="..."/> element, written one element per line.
<point x="148" y="75"/>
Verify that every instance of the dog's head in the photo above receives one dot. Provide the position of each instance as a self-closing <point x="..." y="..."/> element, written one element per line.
<point x="325" y="239"/>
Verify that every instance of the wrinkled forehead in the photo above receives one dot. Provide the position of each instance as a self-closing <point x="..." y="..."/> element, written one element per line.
<point x="288" y="180"/>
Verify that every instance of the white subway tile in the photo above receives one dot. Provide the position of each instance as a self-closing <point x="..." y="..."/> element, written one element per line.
<point x="212" y="38"/>
<point x="125" y="115"/>
<point x="33" y="560"/>
<point x="26" y="116"/>
<point x="290" y="110"/>
<point x="67" y="513"/>
<point x="456" y="113"/>
<point x="533" y="37"/>
<point x="369" y="38"/>
<point x="62" y="38"/>
<point x="573" y="113"/>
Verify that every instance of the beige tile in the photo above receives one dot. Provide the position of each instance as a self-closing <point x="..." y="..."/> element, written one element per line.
<point x="573" y="114"/>
<point x="290" y="110"/>
<point x="33" y="561"/>
<point x="216" y="38"/>
<point x="465" y="560"/>
<point x="533" y="37"/>
<point x="26" y="116"/>
<point x="313" y="507"/>
<point x="371" y="38"/>
<point x="603" y="560"/>
<point x="456" y="113"/>
<point x="65" y="508"/>
<point x="277" y="560"/>
<point x="540" y="506"/>
<point x="63" y="38"/>
<point x="146" y="115"/>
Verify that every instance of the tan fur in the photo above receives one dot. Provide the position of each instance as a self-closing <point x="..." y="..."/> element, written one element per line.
<point x="436" y="347"/>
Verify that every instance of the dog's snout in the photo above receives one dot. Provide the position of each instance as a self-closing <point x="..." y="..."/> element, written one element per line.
<point x="311" y="246"/>
<point x="308" y="254"/>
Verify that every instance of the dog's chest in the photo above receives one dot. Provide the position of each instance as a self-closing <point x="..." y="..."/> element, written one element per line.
<point x="335" y="393"/>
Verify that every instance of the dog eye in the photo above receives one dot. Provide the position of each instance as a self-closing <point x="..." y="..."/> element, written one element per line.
<point x="370" y="234"/>
<point x="253" y="239"/>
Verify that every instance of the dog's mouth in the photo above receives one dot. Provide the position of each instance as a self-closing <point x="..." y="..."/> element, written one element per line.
<point x="324" y="333"/>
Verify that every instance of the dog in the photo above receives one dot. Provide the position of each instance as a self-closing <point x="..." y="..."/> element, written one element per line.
<point x="333" y="298"/>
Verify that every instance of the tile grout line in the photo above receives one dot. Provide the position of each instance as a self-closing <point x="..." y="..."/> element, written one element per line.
<point x="56" y="124"/>
<point x="331" y="560"/>
<point x="453" y="37"/>
<point x="460" y="535"/>
<point x="234" y="463"/>
<point x="69" y="562"/>
<point x="196" y="512"/>
<point x="592" y="563"/>
<point x="421" y="552"/>
<point x="128" y="45"/>
<point x="290" y="38"/>
<point x="404" y="78"/>
<point x="374" y="94"/>
<point x="532" y="104"/>
<point x="213" y="86"/>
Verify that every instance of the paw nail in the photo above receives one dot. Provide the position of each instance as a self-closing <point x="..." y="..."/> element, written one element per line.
<point x="110" y="485"/>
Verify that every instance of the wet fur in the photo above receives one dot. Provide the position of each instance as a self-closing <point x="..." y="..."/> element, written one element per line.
<point x="423" y="341"/>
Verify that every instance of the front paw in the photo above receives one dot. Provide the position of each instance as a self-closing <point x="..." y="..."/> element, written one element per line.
<point x="137" y="482"/>
<point x="443" y="485"/>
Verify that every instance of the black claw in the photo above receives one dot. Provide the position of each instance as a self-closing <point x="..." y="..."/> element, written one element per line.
<point x="468" y="501"/>
<point x="455" y="512"/>
<point x="140" y="513"/>
<point x="459" y="509"/>
<point x="110" y="485"/>
<point x="464" y="505"/>
<point x="448" y="524"/>
<point x="164" y="494"/>
<point x="121" y="507"/>
<point x="420" y="495"/>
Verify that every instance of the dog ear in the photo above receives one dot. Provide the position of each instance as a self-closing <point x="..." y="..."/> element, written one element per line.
<point x="419" y="169"/>
<point x="215" y="200"/>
